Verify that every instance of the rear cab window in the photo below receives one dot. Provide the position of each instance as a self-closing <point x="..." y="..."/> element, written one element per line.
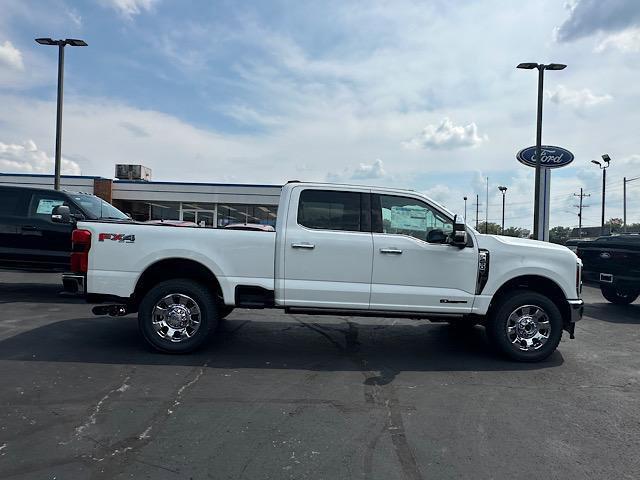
<point x="333" y="210"/>
<point x="13" y="202"/>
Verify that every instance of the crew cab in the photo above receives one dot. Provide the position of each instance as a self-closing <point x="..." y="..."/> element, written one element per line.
<point x="336" y="249"/>
<point x="613" y="263"/>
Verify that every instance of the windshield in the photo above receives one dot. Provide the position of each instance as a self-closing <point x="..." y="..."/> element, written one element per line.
<point x="95" y="207"/>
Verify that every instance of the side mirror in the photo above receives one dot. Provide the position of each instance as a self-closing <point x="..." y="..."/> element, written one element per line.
<point x="459" y="234"/>
<point x="436" y="236"/>
<point x="61" y="214"/>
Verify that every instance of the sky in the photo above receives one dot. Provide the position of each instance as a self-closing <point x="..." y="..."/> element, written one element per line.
<point x="410" y="94"/>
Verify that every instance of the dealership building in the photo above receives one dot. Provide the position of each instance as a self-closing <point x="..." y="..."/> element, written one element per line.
<point x="133" y="192"/>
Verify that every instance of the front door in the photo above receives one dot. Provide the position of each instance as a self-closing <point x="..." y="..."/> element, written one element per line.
<point x="328" y="249"/>
<point x="410" y="274"/>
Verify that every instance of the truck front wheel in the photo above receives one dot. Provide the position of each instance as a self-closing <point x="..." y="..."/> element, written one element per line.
<point x="177" y="316"/>
<point x="618" y="297"/>
<point x="526" y="326"/>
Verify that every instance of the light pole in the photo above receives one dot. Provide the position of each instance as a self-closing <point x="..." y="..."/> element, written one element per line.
<point x="504" y="191"/>
<point x="74" y="42"/>
<point x="625" y="180"/>
<point x="603" y="166"/>
<point x="465" y="210"/>
<point x="541" y="68"/>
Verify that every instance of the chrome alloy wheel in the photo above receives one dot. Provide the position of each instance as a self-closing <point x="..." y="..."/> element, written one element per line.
<point x="528" y="327"/>
<point x="176" y="317"/>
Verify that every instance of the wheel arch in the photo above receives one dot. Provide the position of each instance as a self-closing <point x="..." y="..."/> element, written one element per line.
<point x="172" y="268"/>
<point x="539" y="284"/>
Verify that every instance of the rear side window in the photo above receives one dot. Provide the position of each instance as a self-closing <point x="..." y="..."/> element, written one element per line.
<point x="13" y="202"/>
<point x="330" y="210"/>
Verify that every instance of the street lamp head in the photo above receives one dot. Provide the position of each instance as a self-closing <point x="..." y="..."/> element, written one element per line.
<point x="46" y="41"/>
<point x="464" y="198"/>
<point x="555" y="66"/>
<point x="75" y="42"/>
<point x="527" y="66"/>
<point x="502" y="189"/>
<point x="606" y="158"/>
<point x="596" y="162"/>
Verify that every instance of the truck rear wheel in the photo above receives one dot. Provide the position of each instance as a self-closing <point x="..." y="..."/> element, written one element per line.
<point x="618" y="297"/>
<point x="177" y="316"/>
<point x="525" y="326"/>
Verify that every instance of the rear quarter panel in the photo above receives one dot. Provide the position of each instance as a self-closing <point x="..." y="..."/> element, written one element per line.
<point x="235" y="257"/>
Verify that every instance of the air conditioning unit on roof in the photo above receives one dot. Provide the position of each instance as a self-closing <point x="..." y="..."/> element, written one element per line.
<point x="133" y="172"/>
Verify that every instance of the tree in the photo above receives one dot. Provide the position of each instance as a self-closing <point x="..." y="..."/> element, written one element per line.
<point x="493" y="228"/>
<point x="517" y="232"/>
<point x="614" y="225"/>
<point x="559" y="235"/>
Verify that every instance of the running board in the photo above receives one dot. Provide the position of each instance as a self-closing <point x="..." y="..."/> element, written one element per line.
<point x="434" y="317"/>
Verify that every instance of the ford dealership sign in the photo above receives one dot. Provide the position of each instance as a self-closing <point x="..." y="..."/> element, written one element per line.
<point x="552" y="157"/>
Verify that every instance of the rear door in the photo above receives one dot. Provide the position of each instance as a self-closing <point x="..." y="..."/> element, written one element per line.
<point x="328" y="249"/>
<point x="13" y="209"/>
<point x="48" y="244"/>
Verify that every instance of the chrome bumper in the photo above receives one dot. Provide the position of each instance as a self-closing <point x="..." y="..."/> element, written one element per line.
<point x="576" y="307"/>
<point x="74" y="283"/>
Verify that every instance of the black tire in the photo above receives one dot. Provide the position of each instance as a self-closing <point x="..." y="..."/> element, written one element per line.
<point x="613" y="295"/>
<point x="224" y="311"/>
<point x="207" y="318"/>
<point x="499" y="317"/>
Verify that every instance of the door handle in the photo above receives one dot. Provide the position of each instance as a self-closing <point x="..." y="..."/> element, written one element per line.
<point x="395" y="251"/>
<point x="308" y="246"/>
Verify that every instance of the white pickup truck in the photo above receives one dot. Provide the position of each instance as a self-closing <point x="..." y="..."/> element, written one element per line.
<point x="336" y="249"/>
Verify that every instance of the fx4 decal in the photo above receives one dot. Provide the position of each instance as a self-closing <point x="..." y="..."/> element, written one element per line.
<point x="116" y="237"/>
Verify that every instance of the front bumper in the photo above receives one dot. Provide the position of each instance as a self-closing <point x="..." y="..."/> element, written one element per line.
<point x="74" y="283"/>
<point x="576" y="308"/>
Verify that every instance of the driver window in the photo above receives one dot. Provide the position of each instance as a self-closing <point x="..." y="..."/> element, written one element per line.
<point x="408" y="216"/>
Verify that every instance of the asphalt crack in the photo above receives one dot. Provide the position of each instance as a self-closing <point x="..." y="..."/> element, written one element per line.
<point x="378" y="391"/>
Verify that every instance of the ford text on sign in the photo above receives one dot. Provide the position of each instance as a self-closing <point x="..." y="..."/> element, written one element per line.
<point x="552" y="157"/>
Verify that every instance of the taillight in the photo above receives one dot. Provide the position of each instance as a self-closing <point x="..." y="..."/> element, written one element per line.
<point x="579" y="278"/>
<point x="80" y="245"/>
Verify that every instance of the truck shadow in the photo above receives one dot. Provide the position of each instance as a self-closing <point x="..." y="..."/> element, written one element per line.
<point x="275" y="342"/>
<point x="608" y="312"/>
<point x="35" y="292"/>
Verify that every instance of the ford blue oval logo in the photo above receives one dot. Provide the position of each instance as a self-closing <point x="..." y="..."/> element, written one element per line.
<point x="552" y="157"/>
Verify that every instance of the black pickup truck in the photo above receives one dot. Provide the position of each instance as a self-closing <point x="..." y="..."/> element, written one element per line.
<point x="613" y="262"/>
<point x="29" y="240"/>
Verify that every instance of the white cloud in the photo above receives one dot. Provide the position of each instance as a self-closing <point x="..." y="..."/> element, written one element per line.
<point x="363" y="171"/>
<point x="576" y="98"/>
<point x="28" y="158"/>
<point x="75" y="17"/>
<point x="11" y="56"/>
<point x="130" y="8"/>
<point x="625" y="41"/>
<point x="447" y="136"/>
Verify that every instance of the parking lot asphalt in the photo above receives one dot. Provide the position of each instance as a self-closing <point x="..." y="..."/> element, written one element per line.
<point x="279" y="396"/>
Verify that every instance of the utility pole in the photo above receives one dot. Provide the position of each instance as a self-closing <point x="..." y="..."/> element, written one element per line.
<point x="477" y="209"/>
<point x="580" y="207"/>
<point x="603" y="166"/>
<point x="486" y="211"/>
